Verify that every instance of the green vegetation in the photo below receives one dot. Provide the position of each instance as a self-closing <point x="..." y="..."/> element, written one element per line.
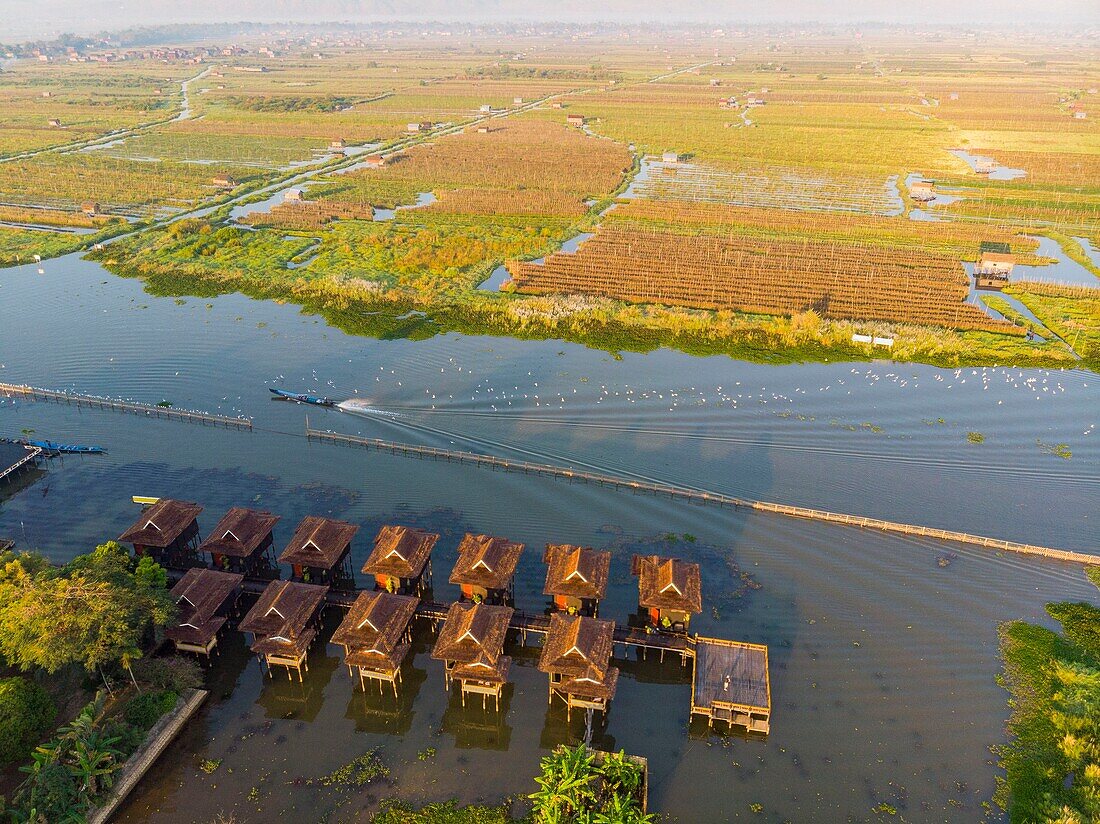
<point x="975" y="437"/>
<point x="576" y="786"/>
<point x="26" y="712"/>
<point x="94" y="611"/>
<point x="1052" y="763"/>
<point x="395" y="812"/>
<point x="360" y="771"/>
<point x="1073" y="312"/>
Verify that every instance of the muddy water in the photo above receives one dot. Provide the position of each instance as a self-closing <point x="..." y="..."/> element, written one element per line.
<point x="883" y="648"/>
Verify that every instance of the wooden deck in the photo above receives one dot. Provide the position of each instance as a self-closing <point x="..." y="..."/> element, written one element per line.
<point x="730" y="683"/>
<point x="11" y="390"/>
<point x="693" y="495"/>
<point x="14" y="457"/>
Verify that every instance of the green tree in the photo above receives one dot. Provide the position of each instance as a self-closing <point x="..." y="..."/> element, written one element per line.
<point x="26" y="712"/>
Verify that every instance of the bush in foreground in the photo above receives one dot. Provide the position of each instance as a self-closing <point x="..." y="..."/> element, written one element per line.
<point x="26" y="712"/>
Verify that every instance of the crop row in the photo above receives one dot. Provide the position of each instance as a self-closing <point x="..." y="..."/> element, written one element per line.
<point x="777" y="277"/>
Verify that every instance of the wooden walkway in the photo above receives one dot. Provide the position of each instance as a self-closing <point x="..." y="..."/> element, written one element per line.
<point x="694" y="496"/>
<point x="11" y="390"/>
<point x="30" y="458"/>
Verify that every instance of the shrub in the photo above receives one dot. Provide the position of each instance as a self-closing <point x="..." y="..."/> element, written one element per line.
<point x="26" y="712"/>
<point x="145" y="710"/>
<point x="174" y="673"/>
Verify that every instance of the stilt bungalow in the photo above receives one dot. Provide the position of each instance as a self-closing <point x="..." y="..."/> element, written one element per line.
<point x="730" y="682"/>
<point x="283" y="624"/>
<point x="471" y="647"/>
<point x="575" y="119"/>
<point x="577" y="657"/>
<point x="670" y="591"/>
<point x="922" y="191"/>
<point x="168" y="532"/>
<point x="243" y="542"/>
<point x="576" y="577"/>
<point x="319" y="551"/>
<point x="376" y="637"/>
<point x="401" y="560"/>
<point x="204" y="598"/>
<point x="485" y="567"/>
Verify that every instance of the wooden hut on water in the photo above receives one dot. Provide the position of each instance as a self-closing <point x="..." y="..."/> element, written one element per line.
<point x="922" y="191"/>
<point x="485" y="568"/>
<point x="168" y="532"/>
<point x="995" y="264"/>
<point x="670" y="591"/>
<point x="283" y="624"/>
<point x="577" y="657"/>
<point x="576" y="577"/>
<point x="205" y="598"/>
<point x="319" y="551"/>
<point x="376" y="636"/>
<point x="471" y="647"/>
<point x="243" y="541"/>
<point x="401" y="560"/>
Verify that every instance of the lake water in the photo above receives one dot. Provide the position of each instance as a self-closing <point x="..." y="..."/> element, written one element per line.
<point x="883" y="647"/>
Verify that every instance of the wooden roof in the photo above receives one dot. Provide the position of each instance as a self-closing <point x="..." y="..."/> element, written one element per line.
<point x="732" y="674"/>
<point x="280" y="617"/>
<point x="199" y="595"/>
<point x="400" y="552"/>
<point x="318" y="542"/>
<point x="374" y="625"/>
<point x="486" y="561"/>
<point x="577" y="646"/>
<point x="473" y="633"/>
<point x="240" y="532"/>
<point x="578" y="571"/>
<point x="162" y="523"/>
<point x="668" y="583"/>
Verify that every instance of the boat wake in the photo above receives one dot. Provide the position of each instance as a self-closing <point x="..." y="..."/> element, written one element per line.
<point x="359" y="406"/>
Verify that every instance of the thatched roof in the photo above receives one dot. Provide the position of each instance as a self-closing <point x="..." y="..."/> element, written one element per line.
<point x="199" y="595"/>
<point x="484" y="669"/>
<point x="473" y="634"/>
<point x="592" y="683"/>
<point x="485" y="561"/>
<point x="668" y="583"/>
<point x="576" y="571"/>
<point x="576" y="643"/>
<point x="373" y="627"/>
<point x="280" y="617"/>
<point x="318" y="542"/>
<point x="400" y="552"/>
<point x="162" y="523"/>
<point x="240" y="532"/>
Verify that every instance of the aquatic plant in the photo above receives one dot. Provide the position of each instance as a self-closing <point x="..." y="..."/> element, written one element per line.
<point x="975" y="437"/>
<point x="577" y="785"/>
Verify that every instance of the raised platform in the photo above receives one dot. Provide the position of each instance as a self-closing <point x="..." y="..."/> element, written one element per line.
<point x="730" y="683"/>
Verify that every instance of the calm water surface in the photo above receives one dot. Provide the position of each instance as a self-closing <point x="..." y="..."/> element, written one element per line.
<point x="883" y="647"/>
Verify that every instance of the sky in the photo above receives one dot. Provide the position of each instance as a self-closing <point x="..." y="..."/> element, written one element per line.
<point x="21" y="19"/>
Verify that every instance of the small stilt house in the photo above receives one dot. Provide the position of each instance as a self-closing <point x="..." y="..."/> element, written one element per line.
<point x="204" y="598"/>
<point x="243" y="542"/>
<point x="168" y="532"/>
<point x="471" y="647"/>
<point x="576" y="577"/>
<point x="670" y="591"/>
<point x="995" y="264"/>
<point x="401" y="560"/>
<point x="376" y="637"/>
<point x="283" y="624"/>
<point x="485" y="567"/>
<point x="577" y="657"/>
<point x="922" y="191"/>
<point x="319" y="551"/>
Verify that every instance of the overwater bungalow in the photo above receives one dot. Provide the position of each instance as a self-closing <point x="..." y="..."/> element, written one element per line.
<point x="576" y="577"/>
<point x="205" y="598"/>
<point x="283" y="624"/>
<point x="485" y="568"/>
<point x="670" y="591"/>
<point x="401" y="560"/>
<point x="168" y="532"/>
<point x="376" y="637"/>
<point x="471" y="647"/>
<point x="319" y="551"/>
<point x="243" y="542"/>
<point x="577" y="657"/>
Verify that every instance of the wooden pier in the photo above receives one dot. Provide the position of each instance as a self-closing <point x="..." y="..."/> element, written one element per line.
<point x="11" y="390"/>
<point x="19" y="462"/>
<point x="693" y="495"/>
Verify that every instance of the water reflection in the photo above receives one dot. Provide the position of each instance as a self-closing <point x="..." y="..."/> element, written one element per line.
<point x="478" y="725"/>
